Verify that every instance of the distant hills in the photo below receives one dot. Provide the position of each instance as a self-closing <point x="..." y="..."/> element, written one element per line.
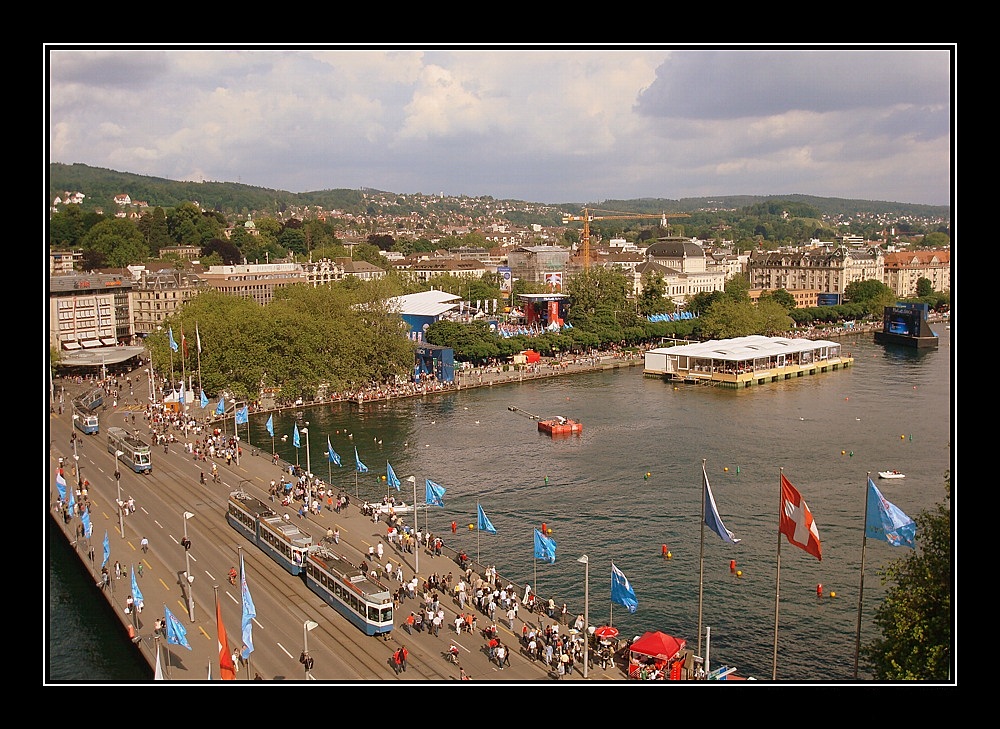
<point x="102" y="185"/>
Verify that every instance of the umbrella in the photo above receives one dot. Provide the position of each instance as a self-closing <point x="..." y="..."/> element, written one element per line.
<point x="606" y="632"/>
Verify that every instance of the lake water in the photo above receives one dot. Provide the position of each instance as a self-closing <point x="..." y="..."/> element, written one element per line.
<point x="893" y="409"/>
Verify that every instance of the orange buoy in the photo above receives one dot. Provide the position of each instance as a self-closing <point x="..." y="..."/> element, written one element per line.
<point x="819" y="590"/>
<point x="732" y="565"/>
<point x="663" y="551"/>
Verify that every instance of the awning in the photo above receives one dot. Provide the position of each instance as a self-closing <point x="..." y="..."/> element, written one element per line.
<point x="71" y="345"/>
<point x="88" y="343"/>
<point x="109" y="342"/>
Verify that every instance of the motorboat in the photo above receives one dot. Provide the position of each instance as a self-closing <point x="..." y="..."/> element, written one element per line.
<point x="891" y="474"/>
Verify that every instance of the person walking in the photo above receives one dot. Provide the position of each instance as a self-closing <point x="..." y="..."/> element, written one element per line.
<point x="144" y="545"/>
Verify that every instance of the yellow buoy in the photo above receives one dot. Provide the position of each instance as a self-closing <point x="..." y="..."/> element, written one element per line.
<point x="670" y="555"/>
<point x="726" y="468"/>
<point x="902" y="437"/>
<point x="843" y="453"/>
<point x="833" y="594"/>
<point x="470" y="527"/>
<point x="739" y="573"/>
<point x="550" y="530"/>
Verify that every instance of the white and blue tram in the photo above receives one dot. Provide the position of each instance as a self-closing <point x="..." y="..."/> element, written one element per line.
<point x="86" y="421"/>
<point x="360" y="598"/>
<point x="282" y="541"/>
<point x="132" y="449"/>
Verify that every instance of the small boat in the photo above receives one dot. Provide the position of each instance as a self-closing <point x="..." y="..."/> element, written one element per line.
<point x="891" y="474"/>
<point x="559" y="426"/>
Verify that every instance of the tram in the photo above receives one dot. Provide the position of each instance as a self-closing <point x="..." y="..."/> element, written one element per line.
<point x="280" y="540"/>
<point x="85" y="420"/>
<point x="360" y="598"/>
<point x="134" y="451"/>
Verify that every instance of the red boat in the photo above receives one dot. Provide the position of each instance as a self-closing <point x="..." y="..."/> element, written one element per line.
<point x="560" y="426"/>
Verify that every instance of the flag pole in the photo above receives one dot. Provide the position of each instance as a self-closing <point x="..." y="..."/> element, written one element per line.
<point x="777" y="586"/>
<point x="701" y="554"/>
<point x="611" y="612"/>
<point x="861" y="590"/>
<point x="236" y="429"/>
<point x="197" y="341"/>
<point x="183" y="372"/>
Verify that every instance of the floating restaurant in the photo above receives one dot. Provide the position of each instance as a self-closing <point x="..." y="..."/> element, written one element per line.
<point x="744" y="361"/>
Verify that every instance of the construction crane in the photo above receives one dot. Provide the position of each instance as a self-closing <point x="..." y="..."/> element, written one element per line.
<point x="588" y="216"/>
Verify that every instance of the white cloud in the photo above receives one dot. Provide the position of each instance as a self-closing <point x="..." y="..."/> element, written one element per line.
<point x="546" y="125"/>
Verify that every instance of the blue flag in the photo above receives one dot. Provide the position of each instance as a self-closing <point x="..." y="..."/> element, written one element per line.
<point x="61" y="485"/>
<point x="107" y="548"/>
<point x="270" y="425"/>
<point x="332" y="454"/>
<point x="886" y="521"/>
<point x="204" y="399"/>
<point x="545" y="547"/>
<point x="295" y="437"/>
<point x="173" y="344"/>
<point x="360" y="467"/>
<point x="434" y="493"/>
<point x="136" y="595"/>
<point x="88" y="528"/>
<point x="176" y="633"/>
<point x="485" y="525"/>
<point x="621" y="591"/>
<point x="72" y="502"/>
<point x="249" y="613"/>
<point x="242" y="416"/>
<point x="221" y="407"/>
<point x="712" y="519"/>
<point x="390" y="476"/>
<point x="181" y="398"/>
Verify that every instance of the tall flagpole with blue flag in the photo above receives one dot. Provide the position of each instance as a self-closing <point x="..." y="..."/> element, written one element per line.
<point x="136" y="594"/>
<point x="331" y="457"/>
<point x="107" y="548"/>
<point x="241" y="416"/>
<point x="249" y="613"/>
<point x="545" y="548"/>
<point x="296" y="442"/>
<point x="176" y="632"/>
<point x="621" y="593"/>
<point x="359" y="467"/>
<point x="710" y="518"/>
<point x="173" y="348"/>
<point x="391" y="480"/>
<point x="885" y="522"/>
<point x="270" y="429"/>
<point x="484" y="525"/>
<point x="433" y="496"/>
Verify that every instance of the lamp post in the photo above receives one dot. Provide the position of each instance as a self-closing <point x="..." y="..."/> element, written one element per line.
<point x="187" y="568"/>
<point x="416" y="552"/>
<point x="118" y="481"/>
<point x="308" y="462"/>
<point x="585" y="561"/>
<point x="306" y="660"/>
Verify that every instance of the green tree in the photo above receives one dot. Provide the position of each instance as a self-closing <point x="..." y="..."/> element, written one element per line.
<point x="915" y="616"/>
<point x="226" y="250"/>
<point x="114" y="243"/>
<point x="653" y="299"/>
<point x="870" y="293"/>
<point x="924" y="287"/>
<point x="728" y="318"/>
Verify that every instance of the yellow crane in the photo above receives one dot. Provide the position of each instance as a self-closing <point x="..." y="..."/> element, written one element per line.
<point x="588" y="216"/>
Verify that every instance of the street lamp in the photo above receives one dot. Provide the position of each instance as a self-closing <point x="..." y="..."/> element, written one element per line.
<point x="416" y="552"/>
<point x="308" y="462"/>
<point x="118" y="481"/>
<point x="306" y="659"/>
<point x="586" y="609"/>
<point x="187" y="567"/>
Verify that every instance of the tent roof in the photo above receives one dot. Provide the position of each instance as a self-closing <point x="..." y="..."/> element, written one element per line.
<point x="658" y="645"/>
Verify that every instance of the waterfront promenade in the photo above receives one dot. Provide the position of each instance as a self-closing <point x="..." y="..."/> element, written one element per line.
<point x="283" y="604"/>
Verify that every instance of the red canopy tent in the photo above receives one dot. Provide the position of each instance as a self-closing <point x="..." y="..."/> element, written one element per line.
<point x="658" y="645"/>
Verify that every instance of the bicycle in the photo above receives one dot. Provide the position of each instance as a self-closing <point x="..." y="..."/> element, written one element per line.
<point x="452" y="654"/>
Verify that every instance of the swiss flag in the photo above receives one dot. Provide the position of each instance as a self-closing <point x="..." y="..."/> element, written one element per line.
<point x="796" y="521"/>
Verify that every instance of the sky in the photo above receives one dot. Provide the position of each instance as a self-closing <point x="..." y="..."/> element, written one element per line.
<point x="547" y="124"/>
